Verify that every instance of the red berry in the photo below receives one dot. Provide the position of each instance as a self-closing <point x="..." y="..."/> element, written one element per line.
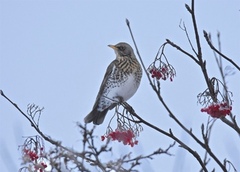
<point x="102" y="138"/>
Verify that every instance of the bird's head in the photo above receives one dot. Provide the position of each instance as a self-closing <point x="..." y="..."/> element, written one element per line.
<point x="122" y="49"/>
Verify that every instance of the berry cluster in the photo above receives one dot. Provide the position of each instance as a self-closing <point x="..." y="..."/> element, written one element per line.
<point x="217" y="110"/>
<point x="125" y="136"/>
<point x="163" y="73"/>
<point x="32" y="157"/>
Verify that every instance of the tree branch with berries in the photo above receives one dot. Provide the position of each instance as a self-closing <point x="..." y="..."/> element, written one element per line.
<point x="216" y="101"/>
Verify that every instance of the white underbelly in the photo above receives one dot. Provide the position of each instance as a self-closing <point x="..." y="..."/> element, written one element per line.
<point x="118" y="92"/>
<point x="126" y="90"/>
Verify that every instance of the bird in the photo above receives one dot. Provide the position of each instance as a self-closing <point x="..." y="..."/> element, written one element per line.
<point x="121" y="81"/>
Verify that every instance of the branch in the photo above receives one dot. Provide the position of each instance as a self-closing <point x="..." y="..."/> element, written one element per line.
<point x="183" y="51"/>
<point x="141" y="61"/>
<point x="192" y="12"/>
<point x="62" y="154"/>
<point x="168" y="134"/>
<point x="216" y="50"/>
<point x="117" y="165"/>
<point x="208" y="149"/>
<point x="233" y="123"/>
<point x="157" y="89"/>
<point x="47" y="138"/>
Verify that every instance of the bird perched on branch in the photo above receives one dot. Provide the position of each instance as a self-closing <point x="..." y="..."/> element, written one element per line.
<point x="120" y="82"/>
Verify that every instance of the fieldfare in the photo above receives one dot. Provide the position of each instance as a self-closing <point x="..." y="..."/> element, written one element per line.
<point x="120" y="82"/>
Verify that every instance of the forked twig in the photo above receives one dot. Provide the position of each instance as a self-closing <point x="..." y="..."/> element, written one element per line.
<point x="217" y="51"/>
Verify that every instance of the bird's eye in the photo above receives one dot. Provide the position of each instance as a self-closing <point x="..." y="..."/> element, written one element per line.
<point x="121" y="48"/>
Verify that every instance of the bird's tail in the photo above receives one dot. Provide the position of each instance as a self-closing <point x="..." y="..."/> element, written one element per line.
<point x="96" y="117"/>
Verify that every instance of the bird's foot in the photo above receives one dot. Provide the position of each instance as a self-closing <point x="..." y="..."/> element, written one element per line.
<point x="119" y="99"/>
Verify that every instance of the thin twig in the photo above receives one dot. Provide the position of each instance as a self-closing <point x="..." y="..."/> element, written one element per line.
<point x="47" y="138"/>
<point x="232" y="124"/>
<point x="170" y="134"/>
<point x="184" y="28"/>
<point x="217" y="51"/>
<point x="127" y="106"/>
<point x="141" y="61"/>
<point x="183" y="51"/>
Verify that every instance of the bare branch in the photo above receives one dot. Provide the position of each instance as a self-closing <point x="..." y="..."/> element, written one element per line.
<point x="192" y="11"/>
<point x="216" y="50"/>
<point x="183" y="51"/>
<point x="184" y="28"/>
<point x="169" y="134"/>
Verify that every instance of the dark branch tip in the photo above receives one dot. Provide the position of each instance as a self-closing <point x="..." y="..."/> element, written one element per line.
<point x="167" y="40"/>
<point x="170" y="131"/>
<point x="127" y="22"/>
<point x="188" y="8"/>
<point x="205" y="33"/>
<point x="202" y="128"/>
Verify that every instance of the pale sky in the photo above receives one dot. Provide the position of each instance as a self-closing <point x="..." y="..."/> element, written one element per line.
<point x="54" y="54"/>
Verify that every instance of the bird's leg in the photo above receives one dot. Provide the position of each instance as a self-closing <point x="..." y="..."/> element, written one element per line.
<point x="128" y="107"/>
<point x="120" y="99"/>
<point x="116" y="100"/>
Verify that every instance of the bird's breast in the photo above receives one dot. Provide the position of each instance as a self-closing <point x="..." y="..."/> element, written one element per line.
<point x="123" y="88"/>
<point x="128" y="88"/>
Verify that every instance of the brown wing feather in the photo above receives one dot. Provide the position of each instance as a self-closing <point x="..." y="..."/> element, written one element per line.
<point x="96" y="116"/>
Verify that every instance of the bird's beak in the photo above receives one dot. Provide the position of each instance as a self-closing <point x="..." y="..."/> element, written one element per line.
<point x="113" y="47"/>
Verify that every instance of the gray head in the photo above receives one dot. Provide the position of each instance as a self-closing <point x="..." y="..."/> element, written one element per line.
<point x="122" y="49"/>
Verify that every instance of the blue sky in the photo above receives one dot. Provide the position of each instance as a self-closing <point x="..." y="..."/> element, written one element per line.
<point x="55" y="53"/>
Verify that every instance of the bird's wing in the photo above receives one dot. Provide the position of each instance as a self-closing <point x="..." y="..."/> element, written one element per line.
<point x="105" y="79"/>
